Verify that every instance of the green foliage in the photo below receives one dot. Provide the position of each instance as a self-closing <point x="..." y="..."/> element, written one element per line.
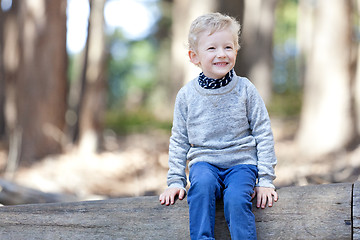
<point x="287" y="97"/>
<point x="286" y="20"/>
<point x="135" y="122"/>
<point x="287" y="104"/>
<point x="74" y="67"/>
<point x="286" y="56"/>
<point x="130" y="68"/>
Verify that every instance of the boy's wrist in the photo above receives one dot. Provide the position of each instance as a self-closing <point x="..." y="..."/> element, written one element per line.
<point x="177" y="185"/>
<point x="265" y="184"/>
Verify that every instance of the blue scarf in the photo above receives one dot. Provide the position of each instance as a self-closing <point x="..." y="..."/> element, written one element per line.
<point x="210" y="83"/>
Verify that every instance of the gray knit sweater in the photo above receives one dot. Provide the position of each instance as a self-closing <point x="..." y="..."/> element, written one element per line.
<point x="224" y="127"/>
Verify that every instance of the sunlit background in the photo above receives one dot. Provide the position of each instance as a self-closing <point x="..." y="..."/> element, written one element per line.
<point x="136" y="19"/>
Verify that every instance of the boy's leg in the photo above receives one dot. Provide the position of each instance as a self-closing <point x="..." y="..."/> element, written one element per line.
<point x="203" y="192"/>
<point x="239" y="185"/>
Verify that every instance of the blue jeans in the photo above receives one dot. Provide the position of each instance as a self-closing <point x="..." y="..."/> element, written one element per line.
<point x="235" y="185"/>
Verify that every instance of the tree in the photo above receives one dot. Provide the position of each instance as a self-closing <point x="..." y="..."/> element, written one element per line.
<point x="327" y="123"/>
<point x="356" y="88"/>
<point x="35" y="64"/>
<point x="10" y="55"/>
<point x="2" y="79"/>
<point x="93" y="99"/>
<point x="255" y="56"/>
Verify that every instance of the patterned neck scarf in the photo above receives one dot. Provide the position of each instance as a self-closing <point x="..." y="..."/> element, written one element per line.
<point x="210" y="83"/>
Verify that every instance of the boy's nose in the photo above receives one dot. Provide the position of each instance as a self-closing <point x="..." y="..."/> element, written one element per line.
<point x="221" y="53"/>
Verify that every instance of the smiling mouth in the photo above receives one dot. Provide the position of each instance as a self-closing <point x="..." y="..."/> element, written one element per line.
<point x="221" y="63"/>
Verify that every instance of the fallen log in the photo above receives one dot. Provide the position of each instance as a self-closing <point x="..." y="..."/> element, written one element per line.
<point x="312" y="212"/>
<point x="14" y="194"/>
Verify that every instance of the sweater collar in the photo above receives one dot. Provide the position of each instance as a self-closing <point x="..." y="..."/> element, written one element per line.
<point x="210" y="83"/>
<point x="219" y="91"/>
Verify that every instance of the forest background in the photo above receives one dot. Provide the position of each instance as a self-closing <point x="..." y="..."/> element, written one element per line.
<point x="95" y="123"/>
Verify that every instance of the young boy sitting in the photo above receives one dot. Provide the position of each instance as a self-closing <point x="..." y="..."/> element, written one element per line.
<point x="221" y="126"/>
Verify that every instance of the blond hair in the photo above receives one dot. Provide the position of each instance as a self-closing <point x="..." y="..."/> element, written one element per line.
<point x="213" y="22"/>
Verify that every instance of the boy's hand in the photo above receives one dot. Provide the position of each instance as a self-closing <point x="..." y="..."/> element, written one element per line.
<point x="169" y="195"/>
<point x="264" y="195"/>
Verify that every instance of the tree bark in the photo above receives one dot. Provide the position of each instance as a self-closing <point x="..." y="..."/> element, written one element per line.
<point x="326" y="123"/>
<point x="2" y="77"/>
<point x="311" y="212"/>
<point x="40" y="86"/>
<point x="34" y="64"/>
<point x="11" y="60"/>
<point x="305" y="34"/>
<point x="93" y="99"/>
<point x="255" y="56"/>
<point x="356" y="88"/>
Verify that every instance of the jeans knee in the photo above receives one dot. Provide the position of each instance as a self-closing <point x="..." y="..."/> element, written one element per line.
<point x="205" y="184"/>
<point x="239" y="201"/>
<point x="204" y="181"/>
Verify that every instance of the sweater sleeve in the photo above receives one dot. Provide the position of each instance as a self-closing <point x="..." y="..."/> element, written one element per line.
<point x="261" y="130"/>
<point x="179" y="144"/>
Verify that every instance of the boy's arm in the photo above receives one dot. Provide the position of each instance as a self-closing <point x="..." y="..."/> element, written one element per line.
<point x="261" y="130"/>
<point x="179" y="145"/>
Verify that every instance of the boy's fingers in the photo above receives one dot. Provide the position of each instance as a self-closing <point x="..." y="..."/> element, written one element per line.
<point x="276" y="197"/>
<point x="181" y="194"/>
<point x="270" y="201"/>
<point x="167" y="200"/>
<point x="263" y="201"/>
<point x="253" y="195"/>
<point x="161" y="199"/>
<point x="258" y="201"/>
<point x="266" y="198"/>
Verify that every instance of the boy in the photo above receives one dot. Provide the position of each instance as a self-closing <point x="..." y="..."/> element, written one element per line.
<point x="222" y="127"/>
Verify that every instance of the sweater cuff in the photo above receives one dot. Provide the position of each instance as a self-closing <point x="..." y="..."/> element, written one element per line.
<point x="177" y="185"/>
<point x="265" y="183"/>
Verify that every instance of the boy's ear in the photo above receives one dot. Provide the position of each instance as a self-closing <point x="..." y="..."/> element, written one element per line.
<point x="194" y="57"/>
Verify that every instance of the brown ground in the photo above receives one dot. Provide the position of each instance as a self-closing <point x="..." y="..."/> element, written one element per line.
<point x="137" y="165"/>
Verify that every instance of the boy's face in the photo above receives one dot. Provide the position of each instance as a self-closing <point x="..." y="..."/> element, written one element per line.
<point x="215" y="54"/>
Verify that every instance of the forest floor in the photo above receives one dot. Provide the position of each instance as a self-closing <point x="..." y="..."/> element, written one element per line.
<point x="136" y="165"/>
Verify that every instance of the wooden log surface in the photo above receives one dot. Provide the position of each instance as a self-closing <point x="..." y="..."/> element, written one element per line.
<point x="311" y="212"/>
<point x="356" y="211"/>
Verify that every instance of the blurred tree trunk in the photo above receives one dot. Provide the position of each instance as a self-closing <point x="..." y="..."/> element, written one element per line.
<point x="10" y="55"/>
<point x="356" y="88"/>
<point x="93" y="99"/>
<point x="35" y="66"/>
<point x="327" y="123"/>
<point x="305" y="33"/>
<point x="2" y="77"/>
<point x="162" y="93"/>
<point x="232" y="8"/>
<point x="255" y="57"/>
<point x="235" y="9"/>
<point x="2" y="103"/>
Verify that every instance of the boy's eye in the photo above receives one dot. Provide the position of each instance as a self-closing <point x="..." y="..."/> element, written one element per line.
<point x="228" y="47"/>
<point x="211" y="48"/>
